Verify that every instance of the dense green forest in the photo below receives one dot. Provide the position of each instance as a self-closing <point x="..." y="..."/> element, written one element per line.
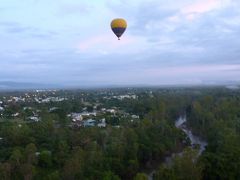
<point x="51" y="149"/>
<point x="216" y="117"/>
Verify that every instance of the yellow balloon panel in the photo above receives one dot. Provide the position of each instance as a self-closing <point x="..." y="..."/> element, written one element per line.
<point x="118" y="23"/>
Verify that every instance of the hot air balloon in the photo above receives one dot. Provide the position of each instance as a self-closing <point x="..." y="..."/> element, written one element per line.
<point x="118" y="26"/>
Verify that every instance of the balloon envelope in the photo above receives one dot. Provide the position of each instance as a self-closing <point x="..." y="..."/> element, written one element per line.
<point x="118" y="26"/>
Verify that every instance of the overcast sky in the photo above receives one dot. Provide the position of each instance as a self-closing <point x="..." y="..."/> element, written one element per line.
<point x="70" y="42"/>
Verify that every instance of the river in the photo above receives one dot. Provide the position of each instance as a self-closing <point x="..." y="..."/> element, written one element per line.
<point x="195" y="141"/>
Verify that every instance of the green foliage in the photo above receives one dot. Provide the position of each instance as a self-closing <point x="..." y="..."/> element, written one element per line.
<point x="51" y="149"/>
<point x="184" y="167"/>
<point x="110" y="176"/>
<point x="216" y="118"/>
<point x="45" y="159"/>
<point x="141" y="176"/>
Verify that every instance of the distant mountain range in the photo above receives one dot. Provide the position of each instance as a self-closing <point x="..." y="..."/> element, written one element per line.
<point x="11" y="85"/>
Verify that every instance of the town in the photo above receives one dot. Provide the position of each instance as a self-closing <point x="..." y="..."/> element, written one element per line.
<point x="85" y="110"/>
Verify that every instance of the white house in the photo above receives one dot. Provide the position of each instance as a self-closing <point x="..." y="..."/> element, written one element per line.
<point x="102" y="123"/>
<point x="111" y="110"/>
<point x="16" y="114"/>
<point x="135" y="117"/>
<point x="76" y="117"/>
<point x="34" y="118"/>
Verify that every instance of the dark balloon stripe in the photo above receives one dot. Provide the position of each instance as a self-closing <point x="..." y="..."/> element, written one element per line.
<point x="118" y="31"/>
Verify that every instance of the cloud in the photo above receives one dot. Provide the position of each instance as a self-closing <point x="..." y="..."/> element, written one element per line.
<point x="17" y="28"/>
<point x="13" y="27"/>
<point x="195" y="69"/>
<point x="108" y="43"/>
<point x="74" y="8"/>
<point x="202" y="6"/>
<point x="112" y="69"/>
<point x="165" y="42"/>
<point x="203" y="39"/>
<point x="195" y="10"/>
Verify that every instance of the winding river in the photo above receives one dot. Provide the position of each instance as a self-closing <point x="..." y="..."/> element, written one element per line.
<point x="195" y="140"/>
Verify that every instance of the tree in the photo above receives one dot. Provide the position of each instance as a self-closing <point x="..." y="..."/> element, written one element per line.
<point x="74" y="167"/>
<point x="184" y="167"/>
<point x="30" y="153"/>
<point x="110" y="176"/>
<point x="16" y="160"/>
<point x="141" y="176"/>
<point x="45" y="159"/>
<point x="5" y="171"/>
<point x="27" y="171"/>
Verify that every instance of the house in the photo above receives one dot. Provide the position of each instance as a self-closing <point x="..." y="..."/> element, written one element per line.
<point x="27" y="108"/>
<point x="117" y="126"/>
<point x="53" y="109"/>
<point x="89" y="123"/>
<point x="76" y="117"/>
<point x="111" y="110"/>
<point x="135" y="117"/>
<point x="34" y="118"/>
<point x="102" y="123"/>
<point x="16" y="114"/>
